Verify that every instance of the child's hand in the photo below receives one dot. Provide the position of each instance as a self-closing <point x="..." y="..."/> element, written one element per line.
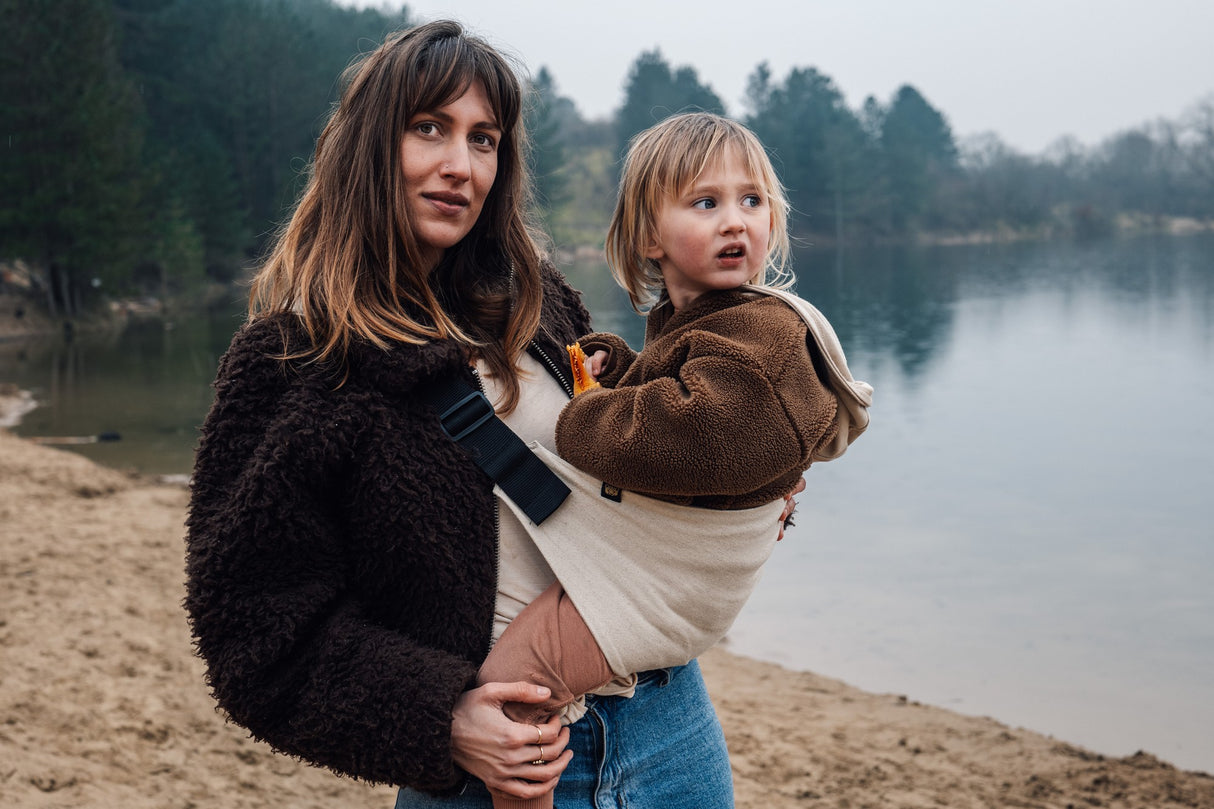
<point x="790" y="505"/>
<point x="594" y="364"/>
<point x="585" y="369"/>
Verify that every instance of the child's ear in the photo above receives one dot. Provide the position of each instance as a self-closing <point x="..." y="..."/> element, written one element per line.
<point x="653" y="250"/>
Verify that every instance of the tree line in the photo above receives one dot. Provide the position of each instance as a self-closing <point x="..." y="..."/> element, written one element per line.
<point x="894" y="170"/>
<point x="150" y="146"/>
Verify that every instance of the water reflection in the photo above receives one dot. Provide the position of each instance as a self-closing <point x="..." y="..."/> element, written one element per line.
<point x="899" y="304"/>
<point x="149" y="383"/>
<point x="893" y="303"/>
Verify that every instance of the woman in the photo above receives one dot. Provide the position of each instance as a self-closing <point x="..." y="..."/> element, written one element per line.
<point x="343" y="568"/>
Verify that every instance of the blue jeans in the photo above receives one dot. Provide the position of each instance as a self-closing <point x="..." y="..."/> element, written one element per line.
<point x="660" y="749"/>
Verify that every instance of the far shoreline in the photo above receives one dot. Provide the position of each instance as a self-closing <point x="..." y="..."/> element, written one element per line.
<point x="24" y="315"/>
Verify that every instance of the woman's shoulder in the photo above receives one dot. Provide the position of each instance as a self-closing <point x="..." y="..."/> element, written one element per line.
<point x="267" y="339"/>
<point x="267" y="351"/>
<point x="258" y="347"/>
<point x="279" y="344"/>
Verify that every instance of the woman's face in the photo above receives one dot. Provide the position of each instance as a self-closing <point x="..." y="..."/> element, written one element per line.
<point x="449" y="160"/>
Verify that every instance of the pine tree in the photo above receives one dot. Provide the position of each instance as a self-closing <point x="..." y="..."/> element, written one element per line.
<point x="653" y="92"/>
<point x="69" y="159"/>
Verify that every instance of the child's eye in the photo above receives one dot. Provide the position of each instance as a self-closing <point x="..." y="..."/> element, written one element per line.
<point x="705" y="204"/>
<point x="752" y="201"/>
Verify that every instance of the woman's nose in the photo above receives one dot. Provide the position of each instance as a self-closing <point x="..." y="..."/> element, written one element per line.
<point x="456" y="164"/>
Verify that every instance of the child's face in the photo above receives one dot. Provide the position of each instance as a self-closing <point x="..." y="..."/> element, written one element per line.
<point x="714" y="234"/>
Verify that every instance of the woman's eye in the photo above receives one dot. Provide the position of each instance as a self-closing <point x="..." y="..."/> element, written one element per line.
<point x="426" y="128"/>
<point x="752" y="201"/>
<point x="481" y="139"/>
<point x="707" y="203"/>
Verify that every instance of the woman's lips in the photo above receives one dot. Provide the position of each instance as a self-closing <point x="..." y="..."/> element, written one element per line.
<point x="449" y="203"/>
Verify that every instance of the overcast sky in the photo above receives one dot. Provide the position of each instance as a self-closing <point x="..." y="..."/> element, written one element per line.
<point x="1028" y="70"/>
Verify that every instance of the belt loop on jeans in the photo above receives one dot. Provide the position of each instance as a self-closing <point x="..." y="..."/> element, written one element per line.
<point x="659" y="677"/>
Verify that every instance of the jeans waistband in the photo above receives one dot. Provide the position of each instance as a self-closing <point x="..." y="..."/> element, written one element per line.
<point x="657" y="677"/>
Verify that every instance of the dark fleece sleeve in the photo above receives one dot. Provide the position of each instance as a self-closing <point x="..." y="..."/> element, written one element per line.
<point x="291" y="654"/>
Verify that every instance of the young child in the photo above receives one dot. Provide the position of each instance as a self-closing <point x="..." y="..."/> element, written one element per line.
<point x="730" y="401"/>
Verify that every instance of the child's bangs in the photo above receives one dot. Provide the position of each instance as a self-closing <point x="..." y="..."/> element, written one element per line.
<point x="686" y="159"/>
<point x="689" y="159"/>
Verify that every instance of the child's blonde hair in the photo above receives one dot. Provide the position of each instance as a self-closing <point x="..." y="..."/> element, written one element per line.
<point x="661" y="163"/>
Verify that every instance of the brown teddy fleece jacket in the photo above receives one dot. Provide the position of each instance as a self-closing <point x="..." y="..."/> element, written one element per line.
<point x="341" y="558"/>
<point x="722" y="409"/>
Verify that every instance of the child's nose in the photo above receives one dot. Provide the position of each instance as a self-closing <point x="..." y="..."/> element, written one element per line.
<point x="732" y="220"/>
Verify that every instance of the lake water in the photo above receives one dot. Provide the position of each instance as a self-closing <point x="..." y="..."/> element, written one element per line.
<point x="1026" y="531"/>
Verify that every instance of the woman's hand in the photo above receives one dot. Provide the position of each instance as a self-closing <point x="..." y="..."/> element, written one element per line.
<point x="500" y="752"/>
<point x="790" y="505"/>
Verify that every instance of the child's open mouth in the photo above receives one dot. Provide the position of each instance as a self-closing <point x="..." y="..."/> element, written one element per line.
<point x="732" y="256"/>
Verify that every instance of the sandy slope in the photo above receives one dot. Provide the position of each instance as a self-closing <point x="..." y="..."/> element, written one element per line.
<point x="102" y="702"/>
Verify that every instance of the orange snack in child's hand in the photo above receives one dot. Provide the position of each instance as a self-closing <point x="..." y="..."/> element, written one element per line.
<point x="582" y="380"/>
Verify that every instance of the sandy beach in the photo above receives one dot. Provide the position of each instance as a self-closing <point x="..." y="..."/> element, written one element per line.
<point x="103" y="704"/>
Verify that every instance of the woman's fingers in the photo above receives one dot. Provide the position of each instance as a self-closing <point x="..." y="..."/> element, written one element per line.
<point x="516" y="692"/>
<point x="484" y="741"/>
<point x="551" y="749"/>
<point x="500" y="752"/>
<point x="527" y="778"/>
<point x="551" y="729"/>
<point x="533" y="780"/>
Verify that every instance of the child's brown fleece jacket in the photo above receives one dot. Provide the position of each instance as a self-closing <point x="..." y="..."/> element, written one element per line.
<point x="722" y="409"/>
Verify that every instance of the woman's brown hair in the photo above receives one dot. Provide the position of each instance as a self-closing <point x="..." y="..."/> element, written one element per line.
<point x="348" y="262"/>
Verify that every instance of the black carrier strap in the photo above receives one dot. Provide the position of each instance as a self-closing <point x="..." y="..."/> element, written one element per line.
<point x="468" y="418"/>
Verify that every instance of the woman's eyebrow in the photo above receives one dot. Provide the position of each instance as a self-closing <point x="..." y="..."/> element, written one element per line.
<point x="446" y="118"/>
